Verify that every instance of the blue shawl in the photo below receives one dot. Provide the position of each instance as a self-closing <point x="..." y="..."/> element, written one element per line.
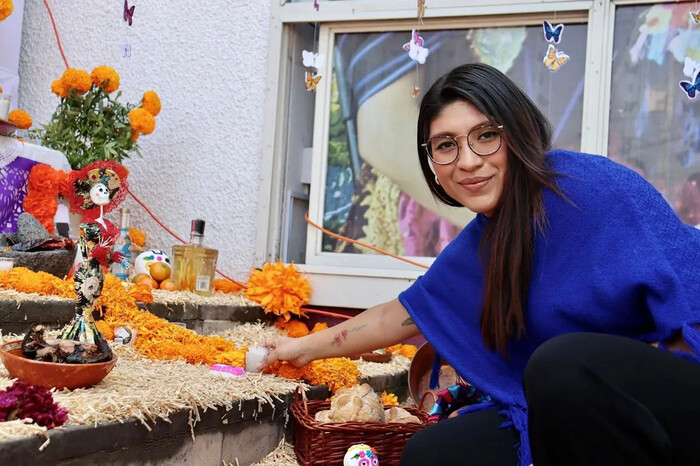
<point x="618" y="261"/>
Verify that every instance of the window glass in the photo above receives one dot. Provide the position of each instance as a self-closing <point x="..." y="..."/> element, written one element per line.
<point x="374" y="190"/>
<point x="654" y="126"/>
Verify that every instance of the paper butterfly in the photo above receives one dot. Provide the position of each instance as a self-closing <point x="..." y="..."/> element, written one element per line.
<point x="696" y="16"/>
<point x="312" y="60"/>
<point x="415" y="48"/>
<point x="128" y="12"/>
<point x="552" y="34"/>
<point x="415" y="91"/>
<point x="311" y="81"/>
<point x="126" y="50"/>
<point x="691" y="88"/>
<point x="554" y="59"/>
<point x="691" y="67"/>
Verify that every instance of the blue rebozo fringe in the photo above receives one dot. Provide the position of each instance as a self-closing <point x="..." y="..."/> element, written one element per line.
<point x="435" y="372"/>
<point x="517" y="418"/>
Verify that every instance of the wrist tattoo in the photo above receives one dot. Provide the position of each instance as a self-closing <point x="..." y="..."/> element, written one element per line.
<point x="340" y="337"/>
<point x="407" y="322"/>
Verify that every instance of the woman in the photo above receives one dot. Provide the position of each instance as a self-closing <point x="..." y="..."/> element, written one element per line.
<point x="550" y="301"/>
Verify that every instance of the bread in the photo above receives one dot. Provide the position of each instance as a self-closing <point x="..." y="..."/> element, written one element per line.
<point x="356" y="404"/>
<point x="322" y="416"/>
<point x="400" y="415"/>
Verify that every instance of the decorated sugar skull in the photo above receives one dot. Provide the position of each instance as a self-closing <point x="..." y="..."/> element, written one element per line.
<point x="146" y="258"/>
<point x="99" y="194"/>
<point x="360" y="455"/>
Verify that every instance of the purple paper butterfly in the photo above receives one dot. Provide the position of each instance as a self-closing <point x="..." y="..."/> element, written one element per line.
<point x="128" y="12"/>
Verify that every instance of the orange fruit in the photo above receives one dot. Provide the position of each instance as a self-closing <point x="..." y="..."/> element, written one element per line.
<point x="159" y="271"/>
<point x="168" y="284"/>
<point x="146" y="280"/>
<point x="138" y="277"/>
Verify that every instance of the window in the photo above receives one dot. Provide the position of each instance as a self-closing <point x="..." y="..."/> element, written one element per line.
<point x="654" y="128"/>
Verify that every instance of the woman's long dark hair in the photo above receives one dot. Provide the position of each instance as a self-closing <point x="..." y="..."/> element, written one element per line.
<point x="507" y="245"/>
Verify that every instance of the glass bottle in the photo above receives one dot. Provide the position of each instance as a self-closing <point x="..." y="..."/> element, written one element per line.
<point x="121" y="270"/>
<point x="194" y="264"/>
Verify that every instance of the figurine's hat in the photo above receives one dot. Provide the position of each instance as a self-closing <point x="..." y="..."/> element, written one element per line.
<point x="111" y="174"/>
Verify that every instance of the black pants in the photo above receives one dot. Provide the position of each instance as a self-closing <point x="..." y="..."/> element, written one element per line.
<point x="593" y="400"/>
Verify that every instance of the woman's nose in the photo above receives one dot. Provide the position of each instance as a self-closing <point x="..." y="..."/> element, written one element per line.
<point x="468" y="159"/>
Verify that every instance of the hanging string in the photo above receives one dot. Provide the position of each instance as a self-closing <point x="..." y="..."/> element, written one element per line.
<point x="55" y="31"/>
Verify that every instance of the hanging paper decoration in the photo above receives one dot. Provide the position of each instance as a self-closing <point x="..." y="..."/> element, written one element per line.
<point x="421" y="10"/>
<point x="554" y="59"/>
<point x="416" y="91"/>
<point x="312" y="60"/>
<point x="128" y="12"/>
<point x="691" y="87"/>
<point x="695" y="15"/>
<point x="552" y="34"/>
<point x="316" y="5"/>
<point x="415" y="48"/>
<point x="126" y="50"/>
<point x="690" y="67"/>
<point x="311" y="81"/>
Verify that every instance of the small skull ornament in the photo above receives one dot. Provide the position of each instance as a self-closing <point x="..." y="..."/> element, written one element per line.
<point x="360" y="455"/>
<point x="146" y="258"/>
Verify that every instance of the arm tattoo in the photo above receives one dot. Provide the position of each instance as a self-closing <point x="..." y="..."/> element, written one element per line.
<point x="407" y="322"/>
<point x="340" y="337"/>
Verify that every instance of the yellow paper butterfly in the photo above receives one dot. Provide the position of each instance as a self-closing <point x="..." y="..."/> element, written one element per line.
<point x="554" y="59"/>
<point x="696" y="16"/>
<point x="311" y="81"/>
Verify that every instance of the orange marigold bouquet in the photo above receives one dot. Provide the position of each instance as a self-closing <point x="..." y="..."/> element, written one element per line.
<point x="279" y="288"/>
<point x="90" y="123"/>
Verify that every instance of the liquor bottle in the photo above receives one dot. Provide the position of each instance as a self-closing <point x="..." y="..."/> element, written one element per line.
<point x="193" y="264"/>
<point x="120" y="269"/>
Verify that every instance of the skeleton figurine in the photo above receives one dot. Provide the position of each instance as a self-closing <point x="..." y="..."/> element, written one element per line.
<point x="97" y="189"/>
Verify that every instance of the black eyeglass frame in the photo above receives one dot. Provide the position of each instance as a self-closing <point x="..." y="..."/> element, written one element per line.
<point x="471" y="146"/>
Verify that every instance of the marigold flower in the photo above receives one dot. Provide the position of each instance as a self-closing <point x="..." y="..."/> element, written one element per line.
<point x="20" y="118"/>
<point x="0" y="86"/>
<point x="106" y="78"/>
<point x="74" y="78"/>
<point x="6" y="9"/>
<point x="134" y="136"/>
<point x="333" y="372"/>
<point x="279" y="288"/>
<point x="389" y="399"/>
<point x="59" y="88"/>
<point x="137" y="237"/>
<point x="142" y="121"/>
<point x="141" y="293"/>
<point x="151" y="102"/>
<point x="404" y="350"/>
<point x="294" y="327"/>
<point x="319" y="326"/>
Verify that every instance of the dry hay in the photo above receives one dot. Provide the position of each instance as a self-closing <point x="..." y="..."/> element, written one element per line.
<point x="283" y="455"/>
<point x="19" y="297"/>
<point x="250" y="334"/>
<point x="395" y="365"/>
<point x="138" y="388"/>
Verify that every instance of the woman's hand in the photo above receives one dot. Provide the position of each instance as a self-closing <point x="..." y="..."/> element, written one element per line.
<point x="285" y="349"/>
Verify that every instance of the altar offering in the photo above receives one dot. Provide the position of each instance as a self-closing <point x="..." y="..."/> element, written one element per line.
<point x="254" y="357"/>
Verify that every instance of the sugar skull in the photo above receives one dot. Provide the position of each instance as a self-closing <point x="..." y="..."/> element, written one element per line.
<point x="360" y="455"/>
<point x="146" y="258"/>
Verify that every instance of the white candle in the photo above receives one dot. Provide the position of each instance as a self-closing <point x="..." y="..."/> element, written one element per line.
<point x="253" y="357"/>
<point x="5" y="101"/>
<point x="6" y="263"/>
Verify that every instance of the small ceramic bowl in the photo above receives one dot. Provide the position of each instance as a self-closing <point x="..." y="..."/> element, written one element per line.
<point x="51" y="374"/>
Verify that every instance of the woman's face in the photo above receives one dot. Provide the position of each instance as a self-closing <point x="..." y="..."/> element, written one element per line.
<point x="99" y="194"/>
<point x="473" y="180"/>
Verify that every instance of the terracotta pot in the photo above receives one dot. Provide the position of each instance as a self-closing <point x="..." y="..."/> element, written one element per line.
<point x="419" y="376"/>
<point x="50" y="374"/>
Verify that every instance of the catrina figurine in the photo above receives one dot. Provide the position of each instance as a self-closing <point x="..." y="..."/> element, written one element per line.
<point x="95" y="190"/>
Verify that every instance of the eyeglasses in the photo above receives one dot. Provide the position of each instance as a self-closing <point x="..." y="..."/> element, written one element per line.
<point x="483" y="140"/>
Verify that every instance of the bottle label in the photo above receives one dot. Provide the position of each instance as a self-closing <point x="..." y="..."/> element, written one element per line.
<point x="202" y="283"/>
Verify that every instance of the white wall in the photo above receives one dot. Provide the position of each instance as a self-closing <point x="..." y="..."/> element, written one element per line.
<point x="207" y="61"/>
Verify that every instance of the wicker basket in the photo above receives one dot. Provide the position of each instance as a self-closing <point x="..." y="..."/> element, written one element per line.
<point x="325" y="443"/>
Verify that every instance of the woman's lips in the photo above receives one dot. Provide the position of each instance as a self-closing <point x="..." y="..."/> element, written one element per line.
<point x="475" y="184"/>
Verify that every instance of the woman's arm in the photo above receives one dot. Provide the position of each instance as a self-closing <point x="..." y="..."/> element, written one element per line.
<point x="377" y="327"/>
